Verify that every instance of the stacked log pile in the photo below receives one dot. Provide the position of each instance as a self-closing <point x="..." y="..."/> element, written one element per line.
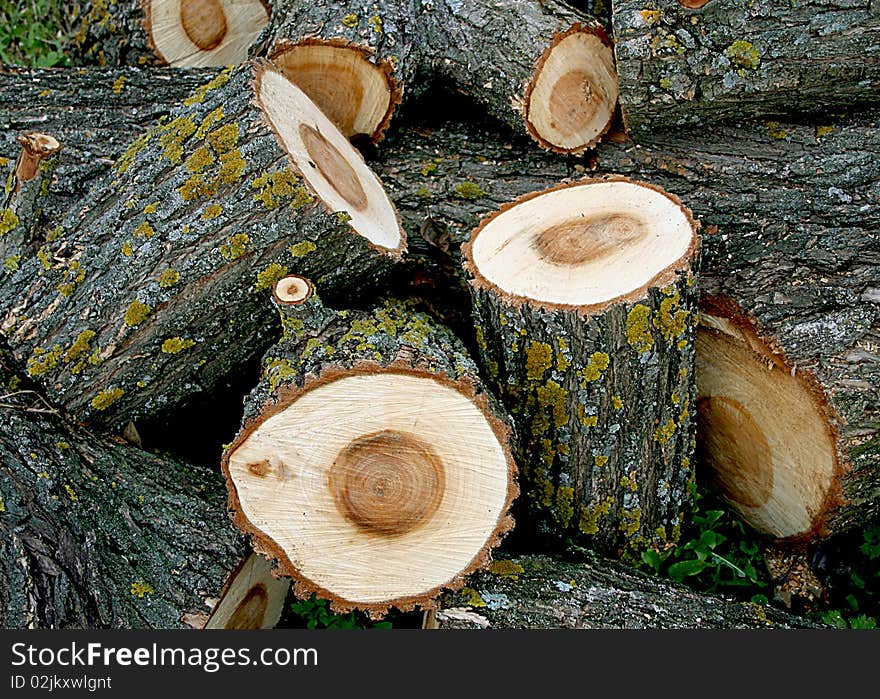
<point x="519" y="318"/>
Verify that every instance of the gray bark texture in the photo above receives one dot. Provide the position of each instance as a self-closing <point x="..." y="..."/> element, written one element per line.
<point x="539" y="592"/>
<point x="790" y="215"/>
<point x="737" y="60"/>
<point x="108" y="33"/>
<point x="96" y="534"/>
<point x="95" y="113"/>
<point x="155" y="286"/>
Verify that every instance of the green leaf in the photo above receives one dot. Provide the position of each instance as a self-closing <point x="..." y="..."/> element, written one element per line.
<point x="652" y="558"/>
<point x="684" y="569"/>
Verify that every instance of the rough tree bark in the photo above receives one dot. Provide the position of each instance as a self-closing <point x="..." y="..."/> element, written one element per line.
<point x="154" y="287"/>
<point x="95" y="113"/>
<point x="108" y="32"/>
<point x="601" y="384"/>
<point x="736" y="60"/>
<point x="539" y="592"/>
<point x="96" y="534"/>
<point x="371" y="463"/>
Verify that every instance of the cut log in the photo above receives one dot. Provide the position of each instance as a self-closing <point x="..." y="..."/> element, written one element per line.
<point x="539" y="66"/>
<point x="544" y="69"/>
<point x="371" y="464"/>
<point x="95" y="113"/>
<point x="693" y="63"/>
<point x="539" y="592"/>
<point x="192" y="33"/>
<point x="585" y="302"/>
<point x="27" y="186"/>
<point x="95" y="534"/>
<point x="770" y="425"/>
<point x="791" y="214"/>
<point x="171" y="32"/>
<point x="350" y="58"/>
<point x="252" y="598"/>
<point x="154" y="287"/>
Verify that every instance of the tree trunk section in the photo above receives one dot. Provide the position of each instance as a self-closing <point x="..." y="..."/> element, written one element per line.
<point x="602" y="391"/>
<point x="539" y="592"/>
<point x="155" y="287"/>
<point x="394" y="478"/>
<point x="191" y="33"/>
<point x="95" y="534"/>
<point x="497" y="53"/>
<point x="353" y="60"/>
<point x="732" y="61"/>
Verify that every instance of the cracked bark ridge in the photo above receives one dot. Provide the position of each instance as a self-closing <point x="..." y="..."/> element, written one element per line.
<point x="155" y="287"/>
<point x="731" y="61"/>
<point x="596" y="367"/>
<point x="96" y="534"/>
<point x="372" y="465"/>
<point x="540" y="592"/>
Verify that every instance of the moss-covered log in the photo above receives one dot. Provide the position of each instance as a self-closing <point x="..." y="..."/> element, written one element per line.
<point x="95" y="534"/>
<point x="95" y="113"/>
<point x="371" y="463"/>
<point x="164" y="32"/>
<point x="698" y="62"/>
<point x="790" y="214"/>
<point x="596" y="366"/>
<point x="154" y="287"/>
<point x="539" y="592"/>
<point x="543" y="68"/>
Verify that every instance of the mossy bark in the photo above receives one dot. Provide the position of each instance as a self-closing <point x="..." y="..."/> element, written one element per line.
<point x="108" y="33"/>
<point x="604" y="405"/>
<point x="155" y="286"/>
<point x="95" y="113"/>
<point x="539" y="592"/>
<point x="95" y="534"/>
<point x="317" y="340"/>
<point x="790" y="214"/>
<point x="735" y="60"/>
